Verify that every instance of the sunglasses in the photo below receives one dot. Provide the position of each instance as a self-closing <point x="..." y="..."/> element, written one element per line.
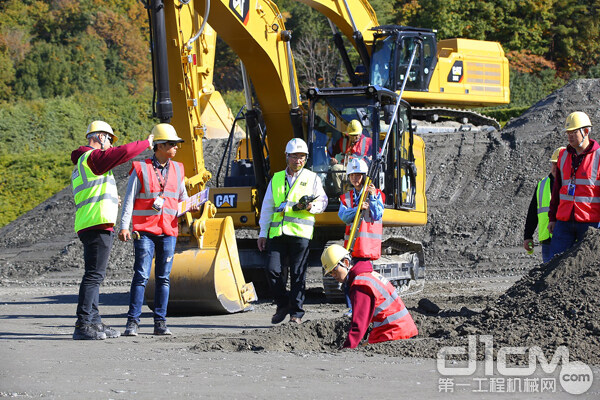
<point x="110" y="138"/>
<point x="172" y="144"/>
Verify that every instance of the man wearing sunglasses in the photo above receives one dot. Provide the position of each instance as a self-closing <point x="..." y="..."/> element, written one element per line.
<point x="373" y="298"/>
<point x="155" y="187"/>
<point x="96" y="203"/>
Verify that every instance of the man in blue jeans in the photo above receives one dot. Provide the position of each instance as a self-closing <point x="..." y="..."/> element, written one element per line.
<point x="575" y="204"/>
<point x="155" y="187"/>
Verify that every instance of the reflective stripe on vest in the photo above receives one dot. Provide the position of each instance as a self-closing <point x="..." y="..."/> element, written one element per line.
<point x="369" y="234"/>
<point x="585" y="203"/>
<point x="289" y="222"/>
<point x="391" y="319"/>
<point x="144" y="218"/>
<point x="96" y="198"/>
<point x="543" y="195"/>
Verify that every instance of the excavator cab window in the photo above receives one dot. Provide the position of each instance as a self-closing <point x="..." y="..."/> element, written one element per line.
<point x="331" y="147"/>
<point x="330" y="117"/>
<point x="391" y="57"/>
<point x="382" y="62"/>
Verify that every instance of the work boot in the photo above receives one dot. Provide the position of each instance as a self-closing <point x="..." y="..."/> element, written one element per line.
<point x="279" y="315"/>
<point x="87" y="332"/>
<point x="131" y="328"/>
<point x="160" y="328"/>
<point x="108" y="331"/>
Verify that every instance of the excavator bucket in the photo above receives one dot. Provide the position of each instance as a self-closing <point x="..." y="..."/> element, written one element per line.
<point x="217" y="117"/>
<point x="207" y="278"/>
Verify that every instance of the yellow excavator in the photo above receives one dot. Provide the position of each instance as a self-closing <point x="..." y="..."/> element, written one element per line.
<point x="444" y="75"/>
<point x="211" y="266"/>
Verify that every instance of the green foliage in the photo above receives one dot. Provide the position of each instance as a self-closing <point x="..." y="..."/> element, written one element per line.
<point x="29" y="179"/>
<point x="37" y="137"/>
<point x="528" y="89"/>
<point x="504" y="115"/>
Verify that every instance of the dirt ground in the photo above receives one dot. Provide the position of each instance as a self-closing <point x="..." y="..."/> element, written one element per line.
<point x="480" y="282"/>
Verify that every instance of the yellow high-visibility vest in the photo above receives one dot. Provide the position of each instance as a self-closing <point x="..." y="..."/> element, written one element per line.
<point x="289" y="222"/>
<point x="96" y="197"/>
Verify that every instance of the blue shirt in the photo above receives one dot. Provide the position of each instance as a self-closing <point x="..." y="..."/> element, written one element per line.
<point x="347" y="214"/>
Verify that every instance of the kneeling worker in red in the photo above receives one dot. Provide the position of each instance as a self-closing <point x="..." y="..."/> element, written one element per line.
<point x="373" y="298"/>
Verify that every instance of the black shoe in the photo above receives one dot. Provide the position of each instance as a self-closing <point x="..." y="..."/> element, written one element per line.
<point x="131" y="328"/>
<point x="108" y="331"/>
<point x="87" y="332"/>
<point x="160" y="328"/>
<point x="279" y="315"/>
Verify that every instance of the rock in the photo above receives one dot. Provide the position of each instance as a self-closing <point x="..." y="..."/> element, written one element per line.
<point x="428" y="306"/>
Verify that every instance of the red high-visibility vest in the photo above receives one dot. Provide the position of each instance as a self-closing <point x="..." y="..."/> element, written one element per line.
<point x="146" y="219"/>
<point x="586" y="199"/>
<point x="369" y="233"/>
<point x="391" y="319"/>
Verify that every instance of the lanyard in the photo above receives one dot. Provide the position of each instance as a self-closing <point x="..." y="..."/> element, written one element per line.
<point x="161" y="180"/>
<point x="575" y="166"/>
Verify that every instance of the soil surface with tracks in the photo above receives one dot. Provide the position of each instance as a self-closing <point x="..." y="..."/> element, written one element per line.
<point x="479" y="185"/>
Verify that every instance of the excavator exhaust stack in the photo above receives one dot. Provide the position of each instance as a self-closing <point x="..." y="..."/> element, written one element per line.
<point x="206" y="277"/>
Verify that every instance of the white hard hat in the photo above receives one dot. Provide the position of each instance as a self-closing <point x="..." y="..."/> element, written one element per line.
<point x="296" y="146"/>
<point x="357" y="166"/>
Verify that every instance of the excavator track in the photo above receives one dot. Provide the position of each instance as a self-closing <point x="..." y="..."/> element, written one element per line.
<point x="433" y="114"/>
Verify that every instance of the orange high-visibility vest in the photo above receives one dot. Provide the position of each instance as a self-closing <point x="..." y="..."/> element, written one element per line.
<point x="391" y="319"/>
<point x="586" y="199"/>
<point x="146" y="219"/>
<point x="369" y="233"/>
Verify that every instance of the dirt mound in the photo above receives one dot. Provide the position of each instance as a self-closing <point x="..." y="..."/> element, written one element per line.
<point x="311" y="336"/>
<point x="479" y="186"/>
<point x="555" y="304"/>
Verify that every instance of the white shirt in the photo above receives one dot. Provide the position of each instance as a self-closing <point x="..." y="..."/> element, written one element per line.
<point x="268" y="205"/>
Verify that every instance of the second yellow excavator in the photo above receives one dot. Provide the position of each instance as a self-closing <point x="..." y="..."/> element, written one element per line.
<point x="445" y="75"/>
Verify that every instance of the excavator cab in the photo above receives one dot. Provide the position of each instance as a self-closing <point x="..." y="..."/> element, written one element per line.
<point x="392" y="48"/>
<point x="331" y="112"/>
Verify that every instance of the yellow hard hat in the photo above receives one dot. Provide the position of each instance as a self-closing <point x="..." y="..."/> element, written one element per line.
<point x="101" y="126"/>
<point x="332" y="256"/>
<point x="577" y="120"/>
<point x="554" y="157"/>
<point x="354" y="128"/>
<point x="164" y="133"/>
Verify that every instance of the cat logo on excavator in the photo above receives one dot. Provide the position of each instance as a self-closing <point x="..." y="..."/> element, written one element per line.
<point x="226" y="200"/>
<point x="240" y="9"/>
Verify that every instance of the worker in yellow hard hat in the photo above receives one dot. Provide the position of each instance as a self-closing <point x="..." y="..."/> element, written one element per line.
<point x="96" y="204"/>
<point x="353" y="144"/>
<point x="154" y="190"/>
<point x="575" y="203"/>
<point x="374" y="299"/>
<point x="537" y="214"/>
